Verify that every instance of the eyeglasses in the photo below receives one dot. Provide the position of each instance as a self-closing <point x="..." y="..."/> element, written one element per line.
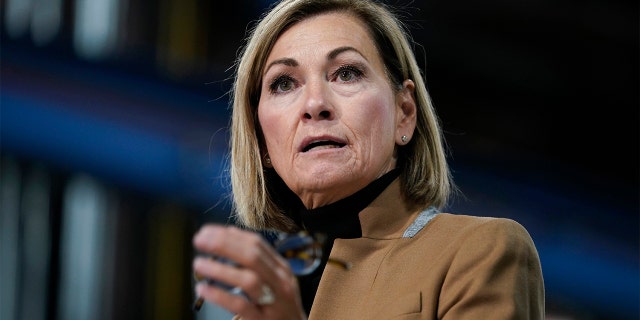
<point x="302" y="251"/>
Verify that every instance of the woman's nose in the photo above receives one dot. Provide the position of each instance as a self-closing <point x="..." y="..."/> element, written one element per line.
<point x="317" y="104"/>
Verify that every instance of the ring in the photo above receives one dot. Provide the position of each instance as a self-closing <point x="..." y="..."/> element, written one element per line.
<point x="267" y="296"/>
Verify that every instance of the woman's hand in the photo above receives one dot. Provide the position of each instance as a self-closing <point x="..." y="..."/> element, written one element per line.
<point x="260" y="270"/>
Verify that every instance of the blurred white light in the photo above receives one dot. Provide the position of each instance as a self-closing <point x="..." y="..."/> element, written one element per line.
<point x="95" y="27"/>
<point x="16" y="17"/>
<point x="82" y="250"/>
<point x="46" y="21"/>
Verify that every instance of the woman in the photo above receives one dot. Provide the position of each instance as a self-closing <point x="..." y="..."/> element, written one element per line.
<point x="333" y="133"/>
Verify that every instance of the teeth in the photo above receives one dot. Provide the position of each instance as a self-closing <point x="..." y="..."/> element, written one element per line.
<point x="326" y="147"/>
<point x="322" y="144"/>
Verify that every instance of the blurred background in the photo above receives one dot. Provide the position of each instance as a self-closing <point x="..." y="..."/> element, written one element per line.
<point x="113" y="140"/>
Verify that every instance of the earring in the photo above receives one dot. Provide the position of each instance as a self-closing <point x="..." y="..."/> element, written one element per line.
<point x="404" y="139"/>
<point x="267" y="159"/>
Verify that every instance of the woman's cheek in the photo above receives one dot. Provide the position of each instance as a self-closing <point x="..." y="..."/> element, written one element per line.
<point x="268" y="119"/>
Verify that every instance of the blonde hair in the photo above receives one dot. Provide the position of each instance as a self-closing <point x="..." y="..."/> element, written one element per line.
<point x="425" y="177"/>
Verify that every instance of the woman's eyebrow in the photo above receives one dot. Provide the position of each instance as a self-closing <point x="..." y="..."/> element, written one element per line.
<point x="331" y="56"/>
<point x="285" y="61"/>
<point x="337" y="51"/>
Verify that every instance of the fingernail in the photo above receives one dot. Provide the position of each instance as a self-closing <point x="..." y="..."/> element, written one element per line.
<point x="199" y="288"/>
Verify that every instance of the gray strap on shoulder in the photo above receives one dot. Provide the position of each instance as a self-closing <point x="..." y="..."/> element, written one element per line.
<point x="423" y="218"/>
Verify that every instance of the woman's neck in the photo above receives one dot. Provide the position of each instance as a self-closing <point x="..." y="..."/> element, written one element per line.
<point x="340" y="219"/>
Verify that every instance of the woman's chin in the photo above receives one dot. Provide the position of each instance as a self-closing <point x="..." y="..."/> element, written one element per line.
<point x="322" y="178"/>
<point x="323" y="173"/>
<point x="321" y="186"/>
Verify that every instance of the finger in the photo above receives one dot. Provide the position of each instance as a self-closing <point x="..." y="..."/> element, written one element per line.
<point x="257" y="253"/>
<point x="234" y="303"/>
<point x="231" y="278"/>
<point x="238" y="283"/>
<point x="206" y="239"/>
<point x="246" y="248"/>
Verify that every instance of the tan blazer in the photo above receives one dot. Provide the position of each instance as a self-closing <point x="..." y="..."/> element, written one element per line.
<point x="456" y="267"/>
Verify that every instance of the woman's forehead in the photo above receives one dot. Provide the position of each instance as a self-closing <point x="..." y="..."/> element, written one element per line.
<point x="324" y="32"/>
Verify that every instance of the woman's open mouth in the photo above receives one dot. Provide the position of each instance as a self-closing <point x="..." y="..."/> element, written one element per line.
<point x="322" y="144"/>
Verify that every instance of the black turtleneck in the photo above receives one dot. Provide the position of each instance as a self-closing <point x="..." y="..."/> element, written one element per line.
<point x="337" y="220"/>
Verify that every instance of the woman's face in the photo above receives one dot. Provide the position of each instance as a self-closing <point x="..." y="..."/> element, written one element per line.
<point x="329" y="116"/>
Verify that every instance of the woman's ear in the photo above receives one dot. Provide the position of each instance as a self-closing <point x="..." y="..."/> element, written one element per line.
<point x="406" y="112"/>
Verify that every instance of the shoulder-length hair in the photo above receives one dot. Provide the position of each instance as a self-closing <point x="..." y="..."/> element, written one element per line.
<point x="425" y="177"/>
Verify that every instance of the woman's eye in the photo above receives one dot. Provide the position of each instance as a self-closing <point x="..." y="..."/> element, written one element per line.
<point x="281" y="84"/>
<point x="348" y="73"/>
<point x="285" y="85"/>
